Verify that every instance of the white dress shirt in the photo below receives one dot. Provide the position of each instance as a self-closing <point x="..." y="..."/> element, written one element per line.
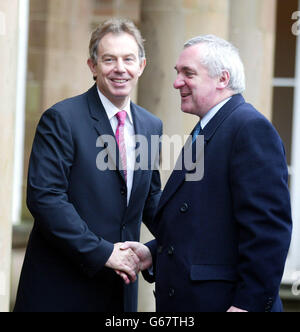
<point x="212" y="112"/>
<point x="111" y="111"/>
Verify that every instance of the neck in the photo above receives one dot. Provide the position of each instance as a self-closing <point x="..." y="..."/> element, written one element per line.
<point x="226" y="94"/>
<point x="120" y="103"/>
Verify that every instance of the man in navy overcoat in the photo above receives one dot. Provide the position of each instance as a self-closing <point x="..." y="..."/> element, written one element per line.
<point x="221" y="242"/>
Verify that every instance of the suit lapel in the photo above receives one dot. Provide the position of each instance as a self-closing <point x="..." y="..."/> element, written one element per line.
<point x="103" y="126"/>
<point x="140" y="128"/>
<point x="177" y="178"/>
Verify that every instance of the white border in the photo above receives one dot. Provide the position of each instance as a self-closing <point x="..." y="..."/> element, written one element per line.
<point x="293" y="263"/>
<point x="2" y="24"/>
<point x="20" y="110"/>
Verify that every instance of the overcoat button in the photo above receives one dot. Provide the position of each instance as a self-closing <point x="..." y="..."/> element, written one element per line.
<point x="171" y="251"/>
<point x="171" y="292"/>
<point x="184" y="208"/>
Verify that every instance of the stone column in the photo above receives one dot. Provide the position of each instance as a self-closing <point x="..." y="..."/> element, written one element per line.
<point x="67" y="40"/>
<point x="166" y="25"/>
<point x="8" y="65"/>
<point x="57" y="54"/>
<point x="252" y="30"/>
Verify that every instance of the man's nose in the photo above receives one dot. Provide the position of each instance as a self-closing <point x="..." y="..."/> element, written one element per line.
<point x="179" y="82"/>
<point x="120" y="67"/>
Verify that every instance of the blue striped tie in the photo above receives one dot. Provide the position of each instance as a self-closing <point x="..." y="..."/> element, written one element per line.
<point x="197" y="131"/>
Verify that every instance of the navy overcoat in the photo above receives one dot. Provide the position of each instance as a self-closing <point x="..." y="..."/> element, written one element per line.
<point x="223" y="241"/>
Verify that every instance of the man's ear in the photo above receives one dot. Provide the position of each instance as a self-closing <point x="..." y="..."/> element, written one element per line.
<point x="142" y="66"/>
<point x="92" y="67"/>
<point x="223" y="80"/>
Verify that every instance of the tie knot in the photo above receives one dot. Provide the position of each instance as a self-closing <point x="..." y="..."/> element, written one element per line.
<point x="121" y="116"/>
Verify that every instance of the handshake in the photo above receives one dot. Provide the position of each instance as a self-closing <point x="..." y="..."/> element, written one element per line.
<point x="128" y="259"/>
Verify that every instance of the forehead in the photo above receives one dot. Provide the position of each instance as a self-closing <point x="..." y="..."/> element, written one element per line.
<point x="118" y="42"/>
<point x="190" y="57"/>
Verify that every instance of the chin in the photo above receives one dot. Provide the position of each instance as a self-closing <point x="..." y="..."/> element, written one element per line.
<point x="121" y="94"/>
<point x="188" y="110"/>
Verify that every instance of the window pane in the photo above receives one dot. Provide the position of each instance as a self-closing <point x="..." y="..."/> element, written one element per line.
<point x="283" y="102"/>
<point x="285" y="49"/>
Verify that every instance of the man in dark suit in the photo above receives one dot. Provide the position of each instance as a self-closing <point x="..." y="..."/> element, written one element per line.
<point x="221" y="242"/>
<point x="83" y="212"/>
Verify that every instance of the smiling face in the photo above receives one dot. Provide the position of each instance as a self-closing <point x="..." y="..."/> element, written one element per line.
<point x="199" y="92"/>
<point x="118" y="67"/>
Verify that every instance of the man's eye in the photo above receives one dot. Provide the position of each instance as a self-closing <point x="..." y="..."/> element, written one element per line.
<point x="189" y="74"/>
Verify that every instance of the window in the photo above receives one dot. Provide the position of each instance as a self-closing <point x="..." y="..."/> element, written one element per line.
<point x="286" y="114"/>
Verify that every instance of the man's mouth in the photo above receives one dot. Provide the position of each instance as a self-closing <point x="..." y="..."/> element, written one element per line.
<point x="119" y="81"/>
<point x="185" y="94"/>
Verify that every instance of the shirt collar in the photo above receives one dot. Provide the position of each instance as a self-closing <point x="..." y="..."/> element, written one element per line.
<point x="212" y="112"/>
<point x="111" y="110"/>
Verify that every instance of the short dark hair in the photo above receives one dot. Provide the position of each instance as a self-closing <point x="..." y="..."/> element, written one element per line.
<point x="116" y="26"/>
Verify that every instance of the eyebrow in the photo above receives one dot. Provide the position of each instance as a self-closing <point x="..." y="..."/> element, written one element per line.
<point x="185" y="68"/>
<point x="114" y="56"/>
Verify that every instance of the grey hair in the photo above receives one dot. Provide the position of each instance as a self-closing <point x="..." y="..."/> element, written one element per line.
<point x="116" y="26"/>
<point x="220" y="55"/>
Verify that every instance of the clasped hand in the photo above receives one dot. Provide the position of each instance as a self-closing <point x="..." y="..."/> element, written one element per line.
<point x="128" y="259"/>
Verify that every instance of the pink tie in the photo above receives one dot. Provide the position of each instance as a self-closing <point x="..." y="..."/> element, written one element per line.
<point x="120" y="137"/>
